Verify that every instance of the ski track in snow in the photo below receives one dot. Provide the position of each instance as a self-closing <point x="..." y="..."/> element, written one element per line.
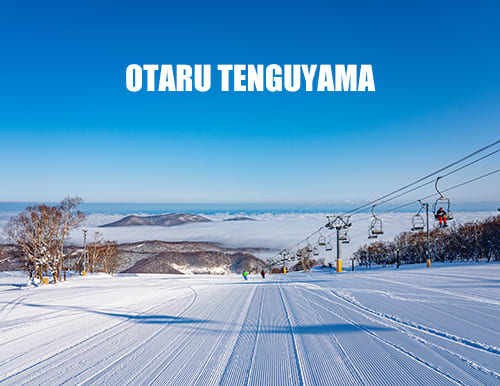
<point x="377" y="337"/>
<point x="300" y="358"/>
<point x="403" y="350"/>
<point x="141" y="344"/>
<point x="66" y="355"/>
<point x="412" y="327"/>
<point x="8" y="307"/>
<point x="406" y="323"/>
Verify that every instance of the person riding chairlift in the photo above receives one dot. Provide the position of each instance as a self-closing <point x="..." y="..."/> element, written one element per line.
<point x="441" y="216"/>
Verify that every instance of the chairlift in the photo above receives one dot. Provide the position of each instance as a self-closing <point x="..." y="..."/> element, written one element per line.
<point x="309" y="248"/>
<point x="441" y="202"/>
<point x="315" y="251"/>
<point x="299" y="253"/>
<point x="375" y="227"/>
<point x="346" y="240"/>
<point x="417" y="221"/>
<point x="346" y="221"/>
<point x="343" y="235"/>
<point x="329" y="225"/>
<point x="289" y="254"/>
<point x="328" y="246"/>
<point x="322" y="240"/>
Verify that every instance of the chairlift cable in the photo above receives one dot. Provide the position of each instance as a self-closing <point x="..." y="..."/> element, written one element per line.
<point x="352" y="211"/>
<point x="433" y="181"/>
<point x="412" y="202"/>
<point x="435" y="194"/>
<point x="427" y="176"/>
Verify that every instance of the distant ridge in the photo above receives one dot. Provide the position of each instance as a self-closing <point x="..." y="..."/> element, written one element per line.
<point x="165" y="220"/>
<point x="186" y="258"/>
<point x="240" y="218"/>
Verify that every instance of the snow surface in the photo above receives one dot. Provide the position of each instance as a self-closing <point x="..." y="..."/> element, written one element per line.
<point x="410" y="326"/>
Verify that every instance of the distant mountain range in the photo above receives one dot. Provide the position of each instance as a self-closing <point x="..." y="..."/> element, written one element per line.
<point x="241" y="218"/>
<point x="180" y="257"/>
<point x="186" y="258"/>
<point x="165" y="220"/>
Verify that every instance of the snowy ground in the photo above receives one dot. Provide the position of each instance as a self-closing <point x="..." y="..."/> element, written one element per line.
<point x="423" y="326"/>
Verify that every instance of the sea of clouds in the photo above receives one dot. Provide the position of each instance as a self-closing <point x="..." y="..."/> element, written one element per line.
<point x="273" y="231"/>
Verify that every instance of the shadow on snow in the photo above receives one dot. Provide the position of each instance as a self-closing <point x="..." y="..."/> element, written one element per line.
<point x="137" y="318"/>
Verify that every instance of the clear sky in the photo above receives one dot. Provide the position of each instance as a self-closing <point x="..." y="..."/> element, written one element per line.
<point x="69" y="126"/>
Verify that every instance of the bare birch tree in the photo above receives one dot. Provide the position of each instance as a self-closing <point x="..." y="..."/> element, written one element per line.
<point x="71" y="218"/>
<point x="94" y="252"/>
<point x="110" y="258"/>
<point x="36" y="231"/>
<point x="40" y="232"/>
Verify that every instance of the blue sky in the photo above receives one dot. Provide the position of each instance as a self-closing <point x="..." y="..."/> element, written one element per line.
<point x="68" y="125"/>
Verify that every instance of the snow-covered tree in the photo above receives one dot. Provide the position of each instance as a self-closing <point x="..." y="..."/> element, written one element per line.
<point x="469" y="241"/>
<point x="109" y="256"/>
<point x="94" y="255"/>
<point x="35" y="231"/>
<point x="71" y="218"/>
<point x="40" y="232"/>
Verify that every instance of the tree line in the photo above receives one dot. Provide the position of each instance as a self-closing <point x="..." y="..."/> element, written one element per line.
<point x="472" y="241"/>
<point x="102" y="256"/>
<point x="40" y="233"/>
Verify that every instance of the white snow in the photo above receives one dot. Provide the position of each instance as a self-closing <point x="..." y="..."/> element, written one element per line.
<point x="415" y="325"/>
<point x="188" y="270"/>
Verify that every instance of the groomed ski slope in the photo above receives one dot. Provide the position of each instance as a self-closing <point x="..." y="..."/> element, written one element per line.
<point x="434" y="326"/>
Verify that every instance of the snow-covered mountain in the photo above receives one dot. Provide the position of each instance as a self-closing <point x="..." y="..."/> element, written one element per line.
<point x="185" y="258"/>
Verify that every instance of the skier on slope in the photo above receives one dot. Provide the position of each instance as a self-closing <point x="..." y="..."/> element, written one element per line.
<point x="441" y="216"/>
<point x="263" y="273"/>
<point x="245" y="275"/>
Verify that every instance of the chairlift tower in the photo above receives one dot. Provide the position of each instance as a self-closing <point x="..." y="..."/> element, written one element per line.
<point x="339" y="223"/>
<point x="284" y="259"/>
<point x="426" y="207"/>
<point x="85" y="231"/>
